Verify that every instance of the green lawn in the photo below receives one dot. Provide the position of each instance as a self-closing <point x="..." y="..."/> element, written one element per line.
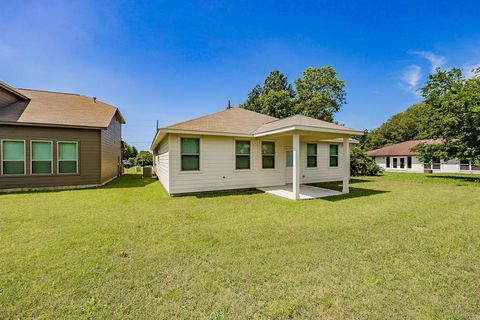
<point x="399" y="246"/>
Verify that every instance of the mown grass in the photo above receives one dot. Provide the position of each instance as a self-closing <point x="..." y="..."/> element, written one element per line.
<point x="399" y="246"/>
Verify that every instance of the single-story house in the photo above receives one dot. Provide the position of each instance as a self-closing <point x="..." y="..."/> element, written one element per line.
<point x="400" y="157"/>
<point x="51" y="140"/>
<point x="237" y="149"/>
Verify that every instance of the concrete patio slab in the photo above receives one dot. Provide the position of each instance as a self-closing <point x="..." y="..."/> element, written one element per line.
<point x="306" y="192"/>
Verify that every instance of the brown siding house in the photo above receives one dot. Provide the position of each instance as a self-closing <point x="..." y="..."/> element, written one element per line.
<point x="54" y="140"/>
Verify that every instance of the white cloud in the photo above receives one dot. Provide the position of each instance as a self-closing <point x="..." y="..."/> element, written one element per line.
<point x="468" y="70"/>
<point x="435" y="60"/>
<point x="411" y="77"/>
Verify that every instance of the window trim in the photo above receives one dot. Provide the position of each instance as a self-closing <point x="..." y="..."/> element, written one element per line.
<point x="24" y="158"/>
<point x="51" y="161"/>
<point x="330" y="155"/>
<point x="409" y="162"/>
<point x="235" y="155"/>
<point x="200" y="162"/>
<point x="316" y="155"/>
<point x="58" y="159"/>
<point x="269" y="155"/>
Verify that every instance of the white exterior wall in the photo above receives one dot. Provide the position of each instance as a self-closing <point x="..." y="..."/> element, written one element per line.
<point x="446" y="166"/>
<point x="217" y="165"/>
<point x="417" y="165"/>
<point x="323" y="172"/>
<point x="162" y="163"/>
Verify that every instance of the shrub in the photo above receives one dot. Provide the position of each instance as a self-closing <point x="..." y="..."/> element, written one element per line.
<point x="361" y="164"/>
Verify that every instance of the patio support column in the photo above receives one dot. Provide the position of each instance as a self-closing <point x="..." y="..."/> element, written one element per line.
<point x="296" y="166"/>
<point x="346" y="165"/>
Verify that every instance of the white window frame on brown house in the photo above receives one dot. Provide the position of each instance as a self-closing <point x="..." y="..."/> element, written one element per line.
<point x="51" y="158"/>
<point x="24" y="158"/>
<point x="58" y="159"/>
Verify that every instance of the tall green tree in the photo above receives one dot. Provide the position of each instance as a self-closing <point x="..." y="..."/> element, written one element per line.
<point x="320" y="93"/>
<point x="253" y="100"/>
<point x="128" y="151"/>
<point x="403" y="126"/>
<point x="452" y="115"/>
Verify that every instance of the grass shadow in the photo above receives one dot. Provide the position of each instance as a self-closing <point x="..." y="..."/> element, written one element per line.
<point x="129" y="180"/>
<point x="221" y="193"/>
<point x="472" y="179"/>
<point x="354" y="192"/>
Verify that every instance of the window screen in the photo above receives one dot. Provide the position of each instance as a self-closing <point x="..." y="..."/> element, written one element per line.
<point x="333" y="155"/>
<point x="268" y="155"/>
<point x="41" y="157"/>
<point x="242" y="154"/>
<point x="13" y="157"/>
<point x="190" y="154"/>
<point x="311" y="155"/>
<point x="67" y="157"/>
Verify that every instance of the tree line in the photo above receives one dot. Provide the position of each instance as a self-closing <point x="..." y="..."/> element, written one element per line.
<point x="450" y="112"/>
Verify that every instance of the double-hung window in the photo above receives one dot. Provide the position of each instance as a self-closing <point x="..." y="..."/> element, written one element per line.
<point x="67" y="157"/>
<point x="268" y="154"/>
<point x="190" y="154"/>
<point x="41" y="156"/>
<point x="334" y="155"/>
<point x="242" y="154"/>
<point x="311" y="155"/>
<point x="13" y="157"/>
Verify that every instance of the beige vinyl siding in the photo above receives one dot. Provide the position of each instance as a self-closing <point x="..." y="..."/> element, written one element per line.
<point x="323" y="171"/>
<point x="217" y="166"/>
<point x="7" y="98"/>
<point x="162" y="165"/>
<point x="88" y="156"/>
<point x="111" y="150"/>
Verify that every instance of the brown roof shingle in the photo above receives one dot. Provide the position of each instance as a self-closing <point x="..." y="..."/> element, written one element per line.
<point x="400" y="149"/>
<point x="55" y="108"/>
<point x="234" y="120"/>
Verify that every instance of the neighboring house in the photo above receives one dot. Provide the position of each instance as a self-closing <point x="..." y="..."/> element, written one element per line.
<point x="54" y="140"/>
<point x="400" y="157"/>
<point x="237" y="148"/>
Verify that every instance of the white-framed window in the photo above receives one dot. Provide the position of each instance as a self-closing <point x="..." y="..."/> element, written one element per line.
<point x="242" y="154"/>
<point x="268" y="155"/>
<point x="311" y="155"/>
<point x="333" y="155"/>
<point x="41" y="157"/>
<point x="13" y="157"/>
<point x="67" y="157"/>
<point x="190" y="154"/>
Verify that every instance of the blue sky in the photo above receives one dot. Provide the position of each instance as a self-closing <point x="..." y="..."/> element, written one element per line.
<point x="172" y="61"/>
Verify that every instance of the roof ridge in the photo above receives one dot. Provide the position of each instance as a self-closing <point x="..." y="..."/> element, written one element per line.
<point x="73" y="94"/>
<point x="214" y="113"/>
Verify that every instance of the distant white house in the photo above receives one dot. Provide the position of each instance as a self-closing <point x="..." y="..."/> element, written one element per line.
<point x="400" y="157"/>
<point x="237" y="148"/>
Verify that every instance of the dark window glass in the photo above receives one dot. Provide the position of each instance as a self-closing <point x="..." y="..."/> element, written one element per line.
<point x="311" y="155"/>
<point x="333" y="155"/>
<point x="268" y="155"/>
<point x="388" y="162"/>
<point x="409" y="162"/>
<point x="402" y="163"/>
<point x="190" y="154"/>
<point x="242" y="154"/>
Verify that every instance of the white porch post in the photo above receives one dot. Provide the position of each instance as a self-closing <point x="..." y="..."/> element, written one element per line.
<point x="296" y="166"/>
<point x="346" y="165"/>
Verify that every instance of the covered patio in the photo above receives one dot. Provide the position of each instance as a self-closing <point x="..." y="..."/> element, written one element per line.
<point x="301" y="130"/>
<point x="305" y="192"/>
